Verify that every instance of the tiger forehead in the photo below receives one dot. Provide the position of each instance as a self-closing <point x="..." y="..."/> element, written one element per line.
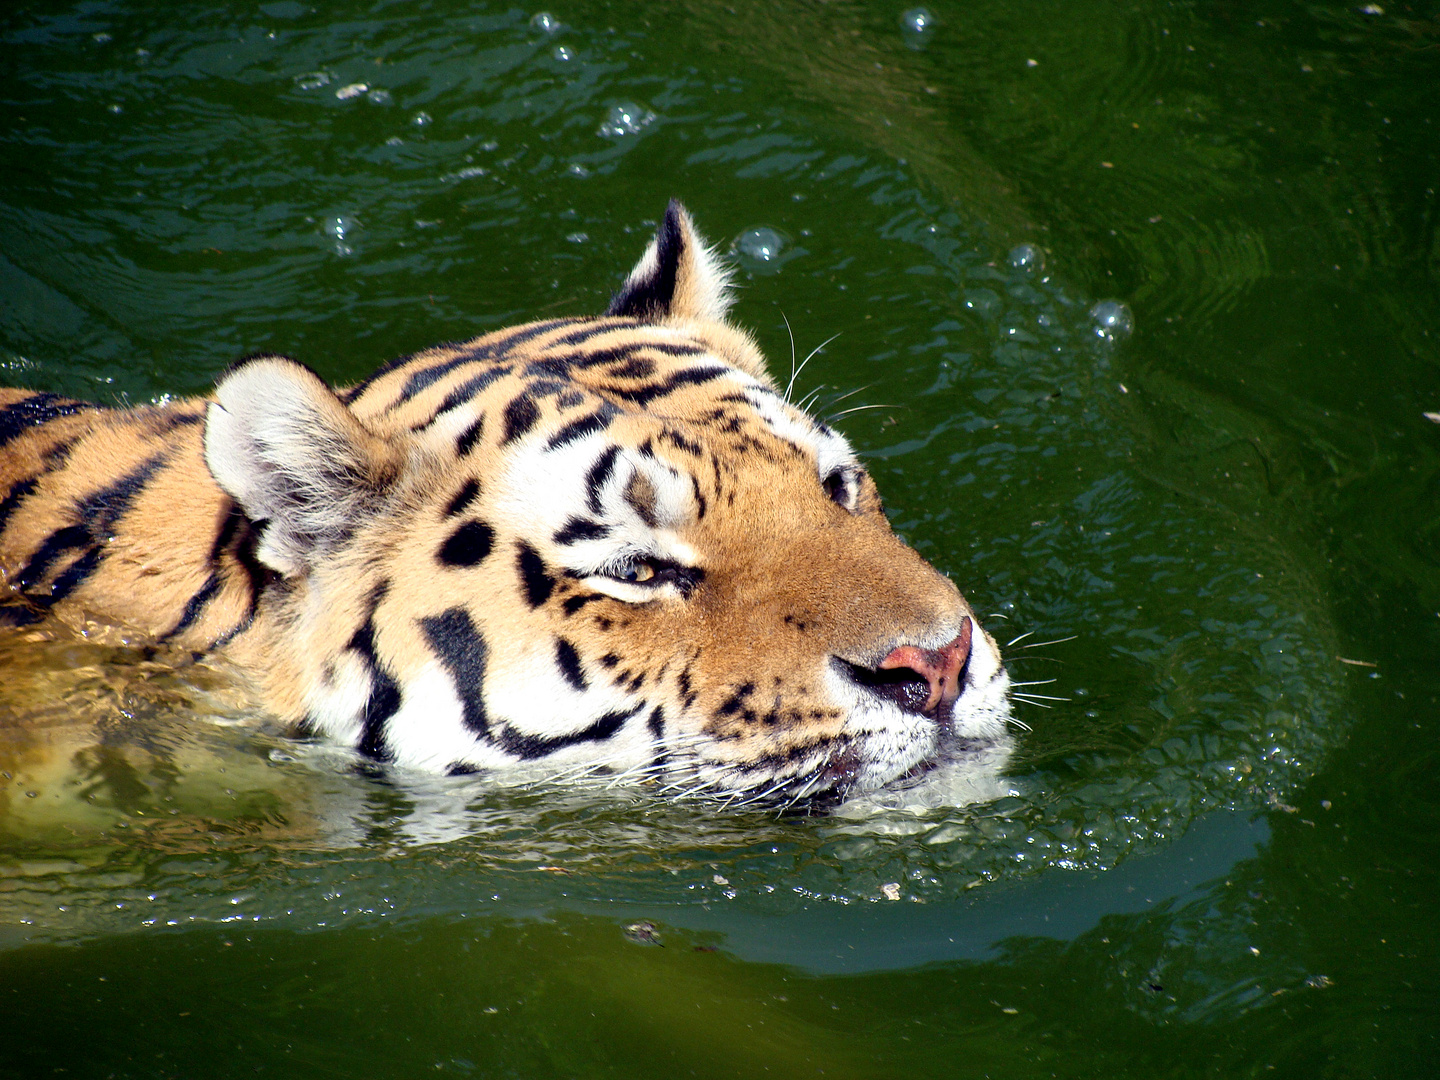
<point x="567" y="379"/>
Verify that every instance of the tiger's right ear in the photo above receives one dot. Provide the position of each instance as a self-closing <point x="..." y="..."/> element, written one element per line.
<point x="678" y="276"/>
<point x="301" y="466"/>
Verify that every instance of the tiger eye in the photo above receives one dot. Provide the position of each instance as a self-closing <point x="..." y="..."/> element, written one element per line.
<point x="640" y="572"/>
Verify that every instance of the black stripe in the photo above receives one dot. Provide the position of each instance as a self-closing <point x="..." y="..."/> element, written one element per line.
<point x="599" y="420"/>
<point x="471" y="387"/>
<point x="468" y="545"/>
<point x="520" y="416"/>
<point x="643" y="395"/>
<point x="577" y="529"/>
<point x="699" y="498"/>
<point x="462" y="649"/>
<point x="575" y="603"/>
<point x="589" y="328"/>
<point x="98" y="514"/>
<point x="568" y="661"/>
<point x="529" y="747"/>
<point x="597" y="476"/>
<point x="626" y="351"/>
<point x="637" y="367"/>
<point x="18" y="417"/>
<point x="425" y="377"/>
<point x="239" y="537"/>
<point x="464" y="497"/>
<point x="70" y="579"/>
<point x="194" y="607"/>
<point x="58" y="543"/>
<point x="384" y="699"/>
<point x="538" y="583"/>
<point x="17" y="494"/>
<point x="470" y="436"/>
<point x="680" y="442"/>
<point x="13" y="615"/>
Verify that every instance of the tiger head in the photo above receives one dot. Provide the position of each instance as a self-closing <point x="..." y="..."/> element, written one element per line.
<point x="596" y="544"/>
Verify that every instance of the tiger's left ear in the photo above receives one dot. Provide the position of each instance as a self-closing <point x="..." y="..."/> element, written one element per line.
<point x="677" y="277"/>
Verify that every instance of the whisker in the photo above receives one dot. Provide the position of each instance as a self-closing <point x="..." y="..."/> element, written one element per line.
<point x="791" y="384"/>
<point x="1027" y="696"/>
<point x="1057" y="641"/>
<point x="1033" y="682"/>
<point x="795" y="372"/>
<point x="1018" y="723"/>
<point x="1022" y="637"/>
<point x="1037" y="704"/>
<point x="859" y="408"/>
<point x="809" y="399"/>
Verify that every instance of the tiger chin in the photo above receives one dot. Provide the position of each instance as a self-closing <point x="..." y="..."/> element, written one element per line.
<point x="589" y="544"/>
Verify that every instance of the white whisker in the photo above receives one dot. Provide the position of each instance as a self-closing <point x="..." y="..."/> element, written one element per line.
<point x="791" y="384"/>
<point x="859" y="408"/>
<point x="795" y="372"/>
<point x="1056" y="641"/>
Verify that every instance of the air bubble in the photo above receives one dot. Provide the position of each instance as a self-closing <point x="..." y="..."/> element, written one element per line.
<point x="544" y="22"/>
<point x="312" y="80"/>
<point x="1027" y="257"/>
<point x="562" y="54"/>
<point x="351" y="90"/>
<point x="983" y="302"/>
<point x="918" y="25"/>
<point x="627" y="118"/>
<point x="379" y="97"/>
<point x="1112" y="319"/>
<point x="420" y="119"/>
<point x="760" y="249"/>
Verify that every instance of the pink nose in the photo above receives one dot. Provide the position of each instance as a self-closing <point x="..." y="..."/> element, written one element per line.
<point x="939" y="667"/>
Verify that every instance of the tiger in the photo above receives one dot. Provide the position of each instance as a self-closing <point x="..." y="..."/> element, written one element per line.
<point x="585" y="543"/>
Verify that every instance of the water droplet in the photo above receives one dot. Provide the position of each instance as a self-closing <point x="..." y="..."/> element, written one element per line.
<point x="339" y="228"/>
<point x="918" y="25"/>
<point x="100" y="38"/>
<point x="577" y="237"/>
<point x="562" y="54"/>
<point x="379" y="97"/>
<point x="312" y="80"/>
<point x="760" y="249"/>
<point x="420" y="119"/>
<point x="354" y="89"/>
<point x="1112" y="320"/>
<point x="576" y="169"/>
<point x="627" y="118"/>
<point x="117" y="109"/>
<point x="544" y="22"/>
<point x="1027" y="257"/>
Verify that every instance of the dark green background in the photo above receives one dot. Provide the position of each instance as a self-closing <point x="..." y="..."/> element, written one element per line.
<point x="1219" y="857"/>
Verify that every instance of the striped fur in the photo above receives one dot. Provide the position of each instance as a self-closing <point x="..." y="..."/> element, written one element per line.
<point x="588" y="542"/>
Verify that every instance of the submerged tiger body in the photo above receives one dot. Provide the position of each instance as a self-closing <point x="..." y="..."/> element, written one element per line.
<point x="585" y="541"/>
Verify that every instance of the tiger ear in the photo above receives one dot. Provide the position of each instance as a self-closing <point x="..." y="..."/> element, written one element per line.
<point x="297" y="461"/>
<point x="677" y="277"/>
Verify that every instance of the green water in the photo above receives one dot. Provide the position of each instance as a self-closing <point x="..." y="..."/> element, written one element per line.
<point x="1216" y="852"/>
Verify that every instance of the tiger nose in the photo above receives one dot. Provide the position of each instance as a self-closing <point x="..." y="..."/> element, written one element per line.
<point x="938" y="667"/>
